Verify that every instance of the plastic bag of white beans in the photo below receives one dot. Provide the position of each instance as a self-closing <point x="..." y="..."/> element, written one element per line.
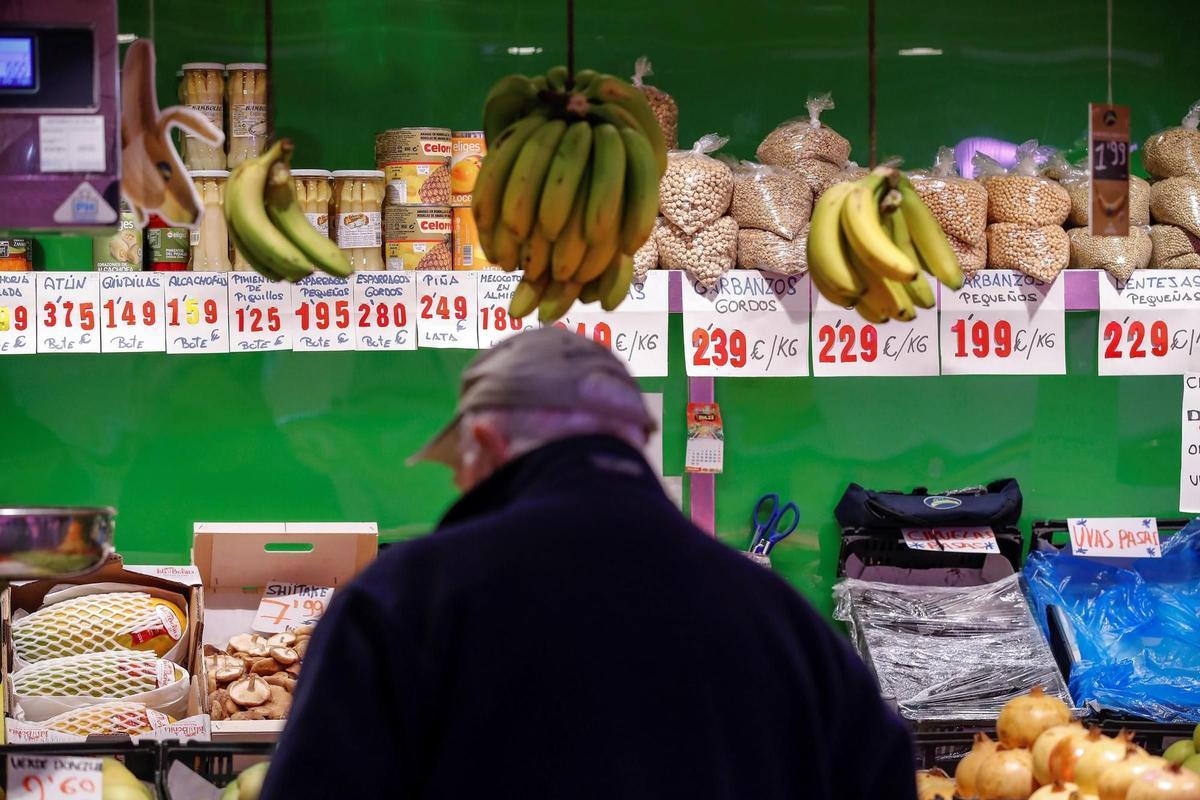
<point x="696" y="188"/>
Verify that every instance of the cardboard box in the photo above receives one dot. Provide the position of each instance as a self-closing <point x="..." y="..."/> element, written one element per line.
<point x="237" y="560"/>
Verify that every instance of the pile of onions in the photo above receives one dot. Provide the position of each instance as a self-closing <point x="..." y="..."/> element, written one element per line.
<point x="1057" y="791"/>
<point x="1167" y="783"/>
<point x="968" y="768"/>
<point x="1115" y="781"/>
<point x="1023" y="719"/>
<point x="1098" y="757"/>
<point x="1045" y="745"/>
<point x="1070" y="749"/>
<point x="934" y="784"/>
<point x="1006" y="775"/>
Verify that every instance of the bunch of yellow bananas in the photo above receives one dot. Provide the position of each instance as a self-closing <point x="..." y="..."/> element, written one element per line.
<point x="569" y="189"/>
<point x="868" y="241"/>
<point x="268" y="226"/>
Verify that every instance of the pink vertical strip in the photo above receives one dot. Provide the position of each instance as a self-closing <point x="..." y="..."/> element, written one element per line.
<point x="703" y="488"/>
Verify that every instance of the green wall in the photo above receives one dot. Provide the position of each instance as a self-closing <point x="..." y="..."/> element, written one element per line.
<point x="300" y="436"/>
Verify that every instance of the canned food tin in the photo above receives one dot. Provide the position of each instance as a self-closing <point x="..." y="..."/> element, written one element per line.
<point x="467" y="149"/>
<point x="416" y="165"/>
<point x="14" y="255"/>
<point x="417" y="237"/>
<point x="412" y="184"/>
<point x="468" y="253"/>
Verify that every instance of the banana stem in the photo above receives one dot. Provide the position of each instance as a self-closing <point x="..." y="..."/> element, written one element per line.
<point x="890" y="202"/>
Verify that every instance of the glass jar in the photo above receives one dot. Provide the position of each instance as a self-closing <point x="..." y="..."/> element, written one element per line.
<point x="358" y="216"/>
<point x="314" y="193"/>
<point x="203" y="90"/>
<point x="177" y="135"/>
<point x="121" y="252"/>
<point x="210" y="239"/>
<point x="246" y="93"/>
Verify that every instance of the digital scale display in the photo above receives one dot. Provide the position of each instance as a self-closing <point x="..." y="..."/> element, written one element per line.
<point x="17" y="63"/>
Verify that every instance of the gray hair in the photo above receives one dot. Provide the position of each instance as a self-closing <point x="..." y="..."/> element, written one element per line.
<point x="529" y="428"/>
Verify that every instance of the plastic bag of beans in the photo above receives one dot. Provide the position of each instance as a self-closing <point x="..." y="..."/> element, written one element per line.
<point x="1118" y="255"/>
<point x="1176" y="201"/>
<point x="1041" y="252"/>
<point x="805" y="138"/>
<point x="1075" y="180"/>
<point x="764" y="250"/>
<point x="972" y="256"/>
<point x="696" y="188"/>
<point x="960" y="205"/>
<point x="706" y="254"/>
<point x="1022" y="195"/>
<point x="1175" y="151"/>
<point x="1173" y="248"/>
<point x="646" y="257"/>
<point x="662" y="104"/>
<point x="769" y="199"/>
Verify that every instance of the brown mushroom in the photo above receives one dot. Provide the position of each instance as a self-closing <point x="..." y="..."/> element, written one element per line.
<point x="231" y="707"/>
<point x="257" y="713"/>
<point x="293" y="669"/>
<point x="265" y="666"/>
<point x="210" y="683"/>
<point x="301" y="648"/>
<point x="216" y="704"/>
<point x="249" y="644"/>
<point x="282" y="679"/>
<point x="305" y="630"/>
<point x="250" y="691"/>
<point x="285" y="639"/>
<point x="226" y="668"/>
<point x="210" y="650"/>
<point x="279" y="704"/>
<point x="285" y="655"/>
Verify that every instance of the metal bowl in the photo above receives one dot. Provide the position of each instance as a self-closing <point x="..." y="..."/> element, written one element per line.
<point x="45" y="541"/>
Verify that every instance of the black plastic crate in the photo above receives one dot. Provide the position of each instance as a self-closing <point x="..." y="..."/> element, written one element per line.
<point x="216" y="762"/>
<point x="141" y="759"/>
<point x="876" y="547"/>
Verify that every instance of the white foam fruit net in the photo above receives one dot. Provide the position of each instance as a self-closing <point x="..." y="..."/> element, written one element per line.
<point x="118" y="674"/>
<point x="88" y="624"/>
<point x="108" y="719"/>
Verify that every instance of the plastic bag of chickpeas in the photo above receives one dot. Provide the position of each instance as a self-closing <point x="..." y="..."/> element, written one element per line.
<point x="696" y="188"/>
<point x="959" y="204"/>
<point x="797" y="142"/>
<point x="1021" y="195"/>
<point x="1176" y="151"/>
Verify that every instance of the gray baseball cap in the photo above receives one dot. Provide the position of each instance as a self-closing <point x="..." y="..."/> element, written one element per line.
<point x="546" y="368"/>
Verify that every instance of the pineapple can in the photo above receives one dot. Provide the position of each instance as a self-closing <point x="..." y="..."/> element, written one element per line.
<point x="416" y="165"/>
<point x="468" y="254"/>
<point x="467" y="149"/>
<point x="417" y="237"/>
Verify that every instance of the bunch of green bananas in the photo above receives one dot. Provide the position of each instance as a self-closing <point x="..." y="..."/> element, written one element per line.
<point x="268" y="226"/>
<point x="868" y="241"/>
<point x="569" y="189"/>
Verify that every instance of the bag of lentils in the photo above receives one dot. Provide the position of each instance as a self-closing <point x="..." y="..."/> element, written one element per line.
<point x="1175" y="151"/>
<point x="1022" y="195"/>
<point x="764" y="250"/>
<point x="1173" y="248"/>
<point x="1176" y="201"/>
<point x="1118" y="255"/>
<point x="1075" y="180"/>
<point x="769" y="199"/>
<point x="662" y="104"/>
<point x="696" y="188"/>
<point x="806" y="138"/>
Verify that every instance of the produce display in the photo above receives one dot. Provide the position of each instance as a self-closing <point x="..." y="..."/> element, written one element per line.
<point x="960" y="207"/>
<point x="797" y="143"/>
<point x="254" y="677"/>
<point x="769" y="199"/>
<point x="1176" y="201"/>
<point x="113" y="675"/>
<point x="1176" y="151"/>
<point x="666" y="111"/>
<point x="570" y="188"/>
<point x="109" y="719"/>
<point x="248" y="784"/>
<point x="706" y="255"/>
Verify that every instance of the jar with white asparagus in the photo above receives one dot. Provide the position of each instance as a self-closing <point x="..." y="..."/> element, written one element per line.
<point x="358" y="216"/>
<point x="246" y="94"/>
<point x="314" y="194"/>
<point x="210" y="240"/>
<point x="202" y="89"/>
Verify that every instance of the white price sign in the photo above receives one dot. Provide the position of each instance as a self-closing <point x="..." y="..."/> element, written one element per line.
<point x="323" y="314"/>
<point x="18" y="313"/>
<point x="286" y="606"/>
<point x="1003" y="322"/>
<point x="636" y="331"/>
<point x="752" y="323"/>
<point x="68" y="312"/>
<point x="1149" y="324"/>
<point x="495" y="292"/>
<point x="1115" y="537"/>
<point x="1189" y="466"/>
<point x="54" y="778"/>
<point x="383" y="307"/>
<point x="260" y="313"/>
<point x="447" y="305"/>
<point x="131" y="312"/>
<point x="197" y="312"/>
<point x="845" y="344"/>
<point x="978" y="539"/>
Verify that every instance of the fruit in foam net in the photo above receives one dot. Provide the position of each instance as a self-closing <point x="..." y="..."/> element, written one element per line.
<point x="97" y="623"/>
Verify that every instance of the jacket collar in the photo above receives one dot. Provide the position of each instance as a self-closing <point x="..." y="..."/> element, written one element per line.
<point x="543" y="470"/>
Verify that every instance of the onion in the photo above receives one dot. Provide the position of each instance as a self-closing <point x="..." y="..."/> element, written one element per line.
<point x="1045" y="745"/>
<point x="934" y="784"/>
<point x="1099" y="756"/>
<point x="1024" y="718"/>
<point x="968" y="768"/>
<point x="1115" y="781"/>
<point x="1168" y="783"/>
<point x="1069" y="750"/>
<point x="1057" y="791"/>
<point x="1006" y="775"/>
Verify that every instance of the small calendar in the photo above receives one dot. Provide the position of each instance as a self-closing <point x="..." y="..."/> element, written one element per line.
<point x="705" y="439"/>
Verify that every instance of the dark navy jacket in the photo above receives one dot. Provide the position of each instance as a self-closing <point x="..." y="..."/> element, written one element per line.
<point x="567" y="633"/>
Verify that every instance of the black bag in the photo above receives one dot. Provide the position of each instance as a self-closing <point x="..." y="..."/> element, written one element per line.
<point x="998" y="504"/>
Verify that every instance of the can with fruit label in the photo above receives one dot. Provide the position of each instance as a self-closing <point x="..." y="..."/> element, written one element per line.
<point x="467" y="149"/>
<point x="416" y="165"/>
<point x="468" y="253"/>
<point x="417" y="237"/>
<point x="14" y="255"/>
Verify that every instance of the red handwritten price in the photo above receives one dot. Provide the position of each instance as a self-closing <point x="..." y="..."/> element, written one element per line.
<point x="719" y="347"/>
<point x="257" y="319"/>
<point x="321" y="315"/>
<point x="1143" y="339"/>
<point x="53" y="778"/>
<point x="496" y="319"/>
<point x="382" y="315"/>
<point x="69" y="314"/>
<point x="285" y="606"/>
<point x="309" y="608"/>
<point x="45" y="787"/>
<point x="443" y="307"/>
<point x="191" y="312"/>
<point x="13" y="318"/>
<point x="995" y="338"/>
<point x="598" y="332"/>
<point x="129" y="314"/>
<point x="846" y="344"/>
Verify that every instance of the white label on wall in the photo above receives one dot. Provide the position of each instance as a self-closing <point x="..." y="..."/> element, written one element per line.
<point x="197" y="312"/>
<point x="68" y="312"/>
<point x="71" y="143"/>
<point x="1189" y="477"/>
<point x="1003" y="322"/>
<point x="323" y="318"/>
<point x="131" y="312"/>
<point x="260" y="313"/>
<point x="494" y="294"/>
<point x="447" y="305"/>
<point x="1149" y="324"/>
<point x="635" y="332"/>
<point x="18" y="313"/>
<point x="384" y="315"/>
<point x="845" y="344"/>
<point x="1114" y="537"/>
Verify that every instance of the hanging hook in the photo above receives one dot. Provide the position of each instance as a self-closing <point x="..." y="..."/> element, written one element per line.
<point x="570" y="44"/>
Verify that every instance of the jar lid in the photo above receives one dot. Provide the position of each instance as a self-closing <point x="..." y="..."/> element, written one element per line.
<point x="467" y="134"/>
<point x="311" y="173"/>
<point x="209" y="173"/>
<point x="248" y="65"/>
<point x="202" y="65"/>
<point x="358" y="173"/>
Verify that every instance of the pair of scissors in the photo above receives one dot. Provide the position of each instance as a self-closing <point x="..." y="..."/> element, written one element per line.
<point x="772" y="528"/>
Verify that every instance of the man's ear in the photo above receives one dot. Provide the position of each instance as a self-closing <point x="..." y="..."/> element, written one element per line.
<point x="491" y="440"/>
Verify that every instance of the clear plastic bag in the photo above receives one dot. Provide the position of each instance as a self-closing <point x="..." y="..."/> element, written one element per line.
<point x="1118" y="255"/>
<point x="960" y="205"/>
<point x="1040" y="252"/>
<point x="948" y="653"/>
<point x="1132" y="622"/>
<point x="1175" y="151"/>
<point x="972" y="256"/>
<point x="666" y="111"/>
<point x="1074" y="179"/>
<point x="1173" y="248"/>
<point x="1176" y="201"/>
<point x="805" y="138"/>
<point x="769" y="199"/>
<point x="696" y="188"/>
<point x="764" y="250"/>
<point x="1022" y="195"/>
<point x="706" y="254"/>
<point x="646" y="257"/>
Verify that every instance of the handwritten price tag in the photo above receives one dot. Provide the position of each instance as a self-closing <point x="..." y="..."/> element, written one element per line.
<point x="323" y="314"/>
<point x="952" y="540"/>
<point x="1003" y="322"/>
<point x="287" y="606"/>
<point x="447" y="304"/>
<point x="18" y="313"/>
<point x="751" y="323"/>
<point x="494" y="294"/>
<point x="68" y="310"/>
<point x="1148" y="324"/>
<point x="1115" y="537"/>
<point x="131" y="313"/>
<point x="845" y="344"/>
<point x="260" y="313"/>
<point x="54" y="778"/>
<point x="636" y="331"/>
<point x="197" y="312"/>
<point x="383" y="305"/>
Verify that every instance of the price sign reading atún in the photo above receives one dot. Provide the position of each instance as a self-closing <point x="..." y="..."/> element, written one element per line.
<point x="68" y="312"/>
<point x="287" y="606"/>
<point x="324" y="319"/>
<point x="383" y="310"/>
<point x="1003" y="322"/>
<point x="1115" y="537"/>
<point x="260" y="313"/>
<point x="447" y="304"/>
<point x="54" y="778"/>
<point x="636" y="331"/>
<point x="751" y="323"/>
<point x="18" y="313"/>
<point x="197" y="312"/>
<point x="495" y="293"/>
<point x="1149" y="324"/>
<point x="131" y="312"/>
<point x="845" y="344"/>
